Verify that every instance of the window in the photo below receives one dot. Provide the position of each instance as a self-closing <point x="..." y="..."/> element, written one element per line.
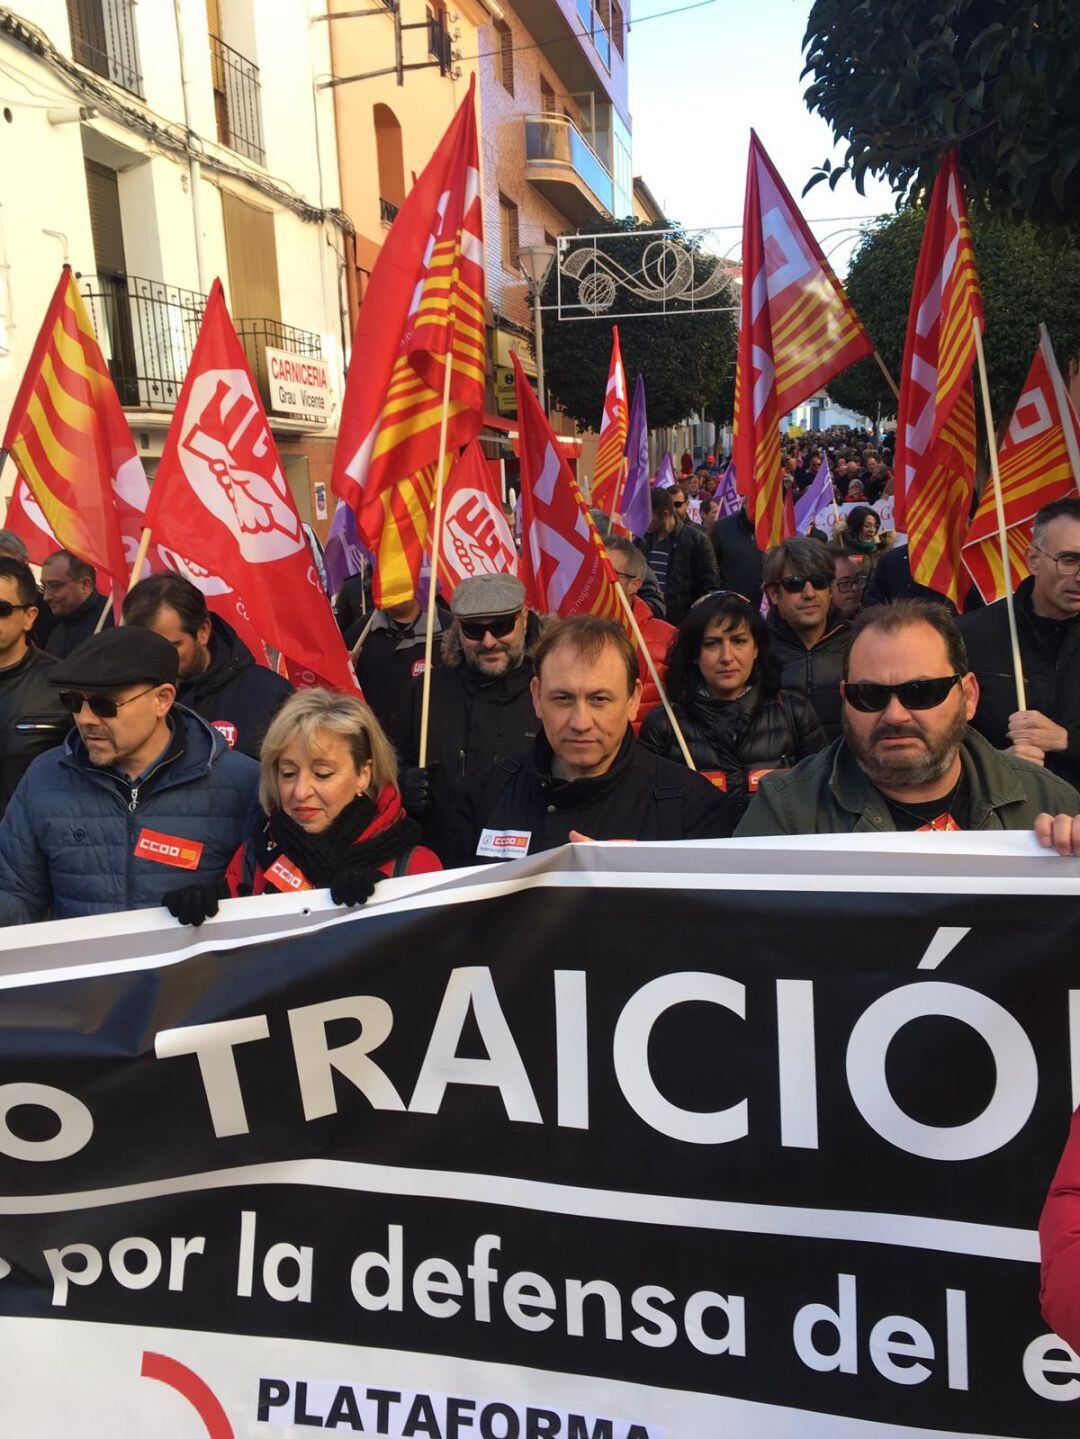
<point x="391" y="162"/>
<point x="618" y="27"/>
<point x="509" y="237"/>
<point x="103" y="39"/>
<point x="251" y="249"/>
<point x="439" y="43"/>
<point x="547" y="98"/>
<point x="602" y="31"/>
<point x="505" y="60"/>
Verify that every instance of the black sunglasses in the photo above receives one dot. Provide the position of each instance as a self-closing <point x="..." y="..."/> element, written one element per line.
<point x="498" y="627"/>
<point x="104" y="706"/>
<point x="871" y="698"/>
<point x="793" y="584"/>
<point x="7" y="609"/>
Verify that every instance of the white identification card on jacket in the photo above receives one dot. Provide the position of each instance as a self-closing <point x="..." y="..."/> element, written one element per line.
<point x="504" y="843"/>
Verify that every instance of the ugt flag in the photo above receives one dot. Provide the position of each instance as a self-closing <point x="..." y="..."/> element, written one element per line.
<point x="220" y="495"/>
<point x="475" y="539"/>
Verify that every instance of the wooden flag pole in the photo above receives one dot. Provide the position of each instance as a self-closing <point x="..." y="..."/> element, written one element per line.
<point x="105" y="608"/>
<point x="999" y="507"/>
<point x="644" y="648"/>
<point x="136" y="569"/>
<point x="436" y="539"/>
<point x="885" y="371"/>
<point x="354" y="653"/>
<point x="618" y="493"/>
<point x="1064" y="407"/>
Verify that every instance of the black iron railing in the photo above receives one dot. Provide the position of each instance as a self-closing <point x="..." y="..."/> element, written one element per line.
<point x="388" y="211"/>
<point x="103" y="39"/>
<point x="256" y="335"/>
<point x="439" y="43"/>
<point x="236" y="100"/>
<point x="147" y="330"/>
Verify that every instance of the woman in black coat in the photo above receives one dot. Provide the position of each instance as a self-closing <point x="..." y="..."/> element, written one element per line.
<point x="738" y="723"/>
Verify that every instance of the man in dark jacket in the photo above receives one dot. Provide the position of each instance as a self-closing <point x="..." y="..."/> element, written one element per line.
<point x="1047" y="608"/>
<point x="892" y="580"/>
<point x="13" y="547"/>
<point x="738" y="559"/>
<point x="586" y="777"/>
<point x="908" y="760"/>
<point x="806" y="635"/>
<point x="32" y="719"/>
<point x="391" y="657"/>
<point x="219" y="678"/>
<point x="679" y="554"/>
<point x="481" y="709"/>
<point x="142" y="800"/>
<point x="70" y="589"/>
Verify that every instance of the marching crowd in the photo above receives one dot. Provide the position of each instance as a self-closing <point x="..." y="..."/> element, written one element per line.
<point x="158" y="763"/>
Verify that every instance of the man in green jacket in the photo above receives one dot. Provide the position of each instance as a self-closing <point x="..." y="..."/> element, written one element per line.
<point x="908" y="759"/>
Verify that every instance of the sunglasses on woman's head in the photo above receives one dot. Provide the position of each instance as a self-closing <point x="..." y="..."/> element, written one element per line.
<point x="869" y="698"/>
<point x="498" y="627"/>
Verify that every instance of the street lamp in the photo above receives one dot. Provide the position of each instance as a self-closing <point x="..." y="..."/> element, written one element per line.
<point x="535" y="262"/>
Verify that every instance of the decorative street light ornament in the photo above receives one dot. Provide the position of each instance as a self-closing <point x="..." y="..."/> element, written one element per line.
<point x="670" y="270"/>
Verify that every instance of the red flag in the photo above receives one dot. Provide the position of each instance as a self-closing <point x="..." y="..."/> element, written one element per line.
<point x="476" y="540"/>
<point x="25" y="518"/>
<point x="935" y="426"/>
<point x="608" y="476"/>
<point x="797" y="330"/>
<point x="71" y="444"/>
<point x="1035" y="470"/>
<point x="425" y="301"/>
<point x="564" y="565"/>
<point x="220" y="493"/>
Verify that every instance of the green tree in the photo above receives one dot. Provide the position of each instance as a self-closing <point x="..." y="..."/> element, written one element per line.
<point x="684" y="357"/>
<point x="1026" y="278"/>
<point x="902" y="80"/>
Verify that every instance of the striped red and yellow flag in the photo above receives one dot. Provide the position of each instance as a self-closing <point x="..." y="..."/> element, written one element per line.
<point x="935" y="428"/>
<point x="797" y="330"/>
<point x="424" y="308"/>
<point x="610" y="467"/>
<point x="69" y="439"/>
<point x="1035" y="470"/>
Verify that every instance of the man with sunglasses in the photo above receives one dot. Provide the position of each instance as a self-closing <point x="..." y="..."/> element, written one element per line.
<point x="908" y="759"/>
<point x="32" y="719"/>
<point x="680" y="554"/>
<point x="807" y="634"/>
<point x="1047" y="607"/>
<point x="481" y="709"/>
<point x="142" y="800"/>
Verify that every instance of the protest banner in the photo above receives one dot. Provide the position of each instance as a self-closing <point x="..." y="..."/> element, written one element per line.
<point x="513" y="1152"/>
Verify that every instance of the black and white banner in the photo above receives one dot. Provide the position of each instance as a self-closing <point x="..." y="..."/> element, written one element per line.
<point x="744" y="1139"/>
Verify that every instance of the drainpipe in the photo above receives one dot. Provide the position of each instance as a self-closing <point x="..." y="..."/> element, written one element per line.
<point x="194" y="168"/>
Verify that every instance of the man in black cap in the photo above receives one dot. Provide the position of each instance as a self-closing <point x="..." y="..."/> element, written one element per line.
<point x="142" y="800"/>
<point x="480" y="710"/>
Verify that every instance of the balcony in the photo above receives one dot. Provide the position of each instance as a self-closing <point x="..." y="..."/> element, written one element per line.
<point x="147" y="332"/>
<point x="236" y="101"/>
<point x="103" y="40"/>
<point x="566" y="170"/>
<point x="439" y="43"/>
<point x="388" y="212"/>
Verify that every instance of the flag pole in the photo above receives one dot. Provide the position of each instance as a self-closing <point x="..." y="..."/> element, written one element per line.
<point x="644" y="648"/>
<point x="885" y="371"/>
<point x="618" y="493"/>
<point x="1063" y="403"/>
<point x="999" y="507"/>
<point x="105" y="608"/>
<point x="436" y="546"/>
<point x="354" y="653"/>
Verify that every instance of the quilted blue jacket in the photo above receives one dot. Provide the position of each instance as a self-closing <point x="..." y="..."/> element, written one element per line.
<point x="69" y="837"/>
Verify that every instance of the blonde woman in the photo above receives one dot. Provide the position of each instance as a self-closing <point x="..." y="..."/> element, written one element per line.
<point x="334" y="817"/>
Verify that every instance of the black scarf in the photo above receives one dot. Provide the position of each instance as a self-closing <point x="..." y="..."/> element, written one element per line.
<point x="319" y="857"/>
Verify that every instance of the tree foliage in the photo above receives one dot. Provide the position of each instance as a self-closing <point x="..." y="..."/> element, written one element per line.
<point x="1025" y="279"/>
<point x="683" y="357"/>
<point x="902" y="80"/>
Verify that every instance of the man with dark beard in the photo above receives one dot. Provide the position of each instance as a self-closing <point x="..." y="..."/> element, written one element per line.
<point x="907" y="759"/>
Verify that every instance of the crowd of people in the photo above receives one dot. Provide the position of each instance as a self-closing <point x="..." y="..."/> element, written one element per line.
<point x="156" y="762"/>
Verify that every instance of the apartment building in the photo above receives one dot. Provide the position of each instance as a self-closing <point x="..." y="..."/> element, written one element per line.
<point x="156" y="146"/>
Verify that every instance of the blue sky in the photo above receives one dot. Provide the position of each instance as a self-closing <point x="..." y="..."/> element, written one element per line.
<point x="699" y="81"/>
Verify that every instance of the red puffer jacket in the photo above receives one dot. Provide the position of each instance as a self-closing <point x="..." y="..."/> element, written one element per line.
<point x="246" y="875"/>
<point x="658" y="635"/>
<point x="1059" y="1238"/>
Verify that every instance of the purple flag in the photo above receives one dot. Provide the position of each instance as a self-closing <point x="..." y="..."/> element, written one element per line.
<point x="817" y="496"/>
<point x="665" y="474"/>
<point x="344" y="554"/>
<point x="636" y="505"/>
<point x="727" y="495"/>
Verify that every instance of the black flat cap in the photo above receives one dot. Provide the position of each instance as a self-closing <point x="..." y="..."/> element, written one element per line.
<point x="115" y="658"/>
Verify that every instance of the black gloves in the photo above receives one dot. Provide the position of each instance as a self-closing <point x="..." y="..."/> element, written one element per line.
<point x="196" y="902"/>
<point x="416" y="790"/>
<point x="354" y="886"/>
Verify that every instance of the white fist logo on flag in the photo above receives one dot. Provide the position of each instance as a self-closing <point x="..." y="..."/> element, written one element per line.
<point x="477" y="539"/>
<point x="229" y="461"/>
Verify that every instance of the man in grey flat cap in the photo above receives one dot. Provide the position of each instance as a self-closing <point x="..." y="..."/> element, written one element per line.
<point x="481" y="709"/>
